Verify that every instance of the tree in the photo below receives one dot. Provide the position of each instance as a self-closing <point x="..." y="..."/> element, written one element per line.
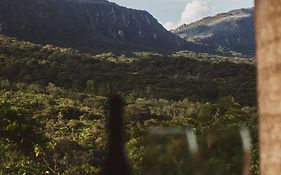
<point x="18" y="126"/>
<point x="5" y="84"/>
<point x="90" y="86"/>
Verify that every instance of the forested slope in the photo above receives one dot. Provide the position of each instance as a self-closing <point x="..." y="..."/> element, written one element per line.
<point x="177" y="76"/>
<point x="53" y="104"/>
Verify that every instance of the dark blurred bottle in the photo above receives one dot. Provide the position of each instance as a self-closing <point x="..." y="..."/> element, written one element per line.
<point x="116" y="162"/>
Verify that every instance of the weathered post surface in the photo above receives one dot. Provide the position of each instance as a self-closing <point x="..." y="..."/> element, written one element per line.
<point x="268" y="36"/>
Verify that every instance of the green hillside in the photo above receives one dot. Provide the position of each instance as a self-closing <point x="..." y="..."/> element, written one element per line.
<point x="54" y="102"/>
<point x="198" y="77"/>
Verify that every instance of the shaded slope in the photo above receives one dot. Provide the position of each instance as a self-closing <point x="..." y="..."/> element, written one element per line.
<point x="85" y="24"/>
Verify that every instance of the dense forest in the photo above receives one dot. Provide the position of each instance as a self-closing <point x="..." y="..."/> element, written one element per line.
<point x="54" y="103"/>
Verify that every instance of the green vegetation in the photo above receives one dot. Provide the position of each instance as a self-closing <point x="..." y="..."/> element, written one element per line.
<point x="53" y="103"/>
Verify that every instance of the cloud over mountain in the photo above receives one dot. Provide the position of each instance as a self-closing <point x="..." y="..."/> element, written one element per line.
<point x="193" y="11"/>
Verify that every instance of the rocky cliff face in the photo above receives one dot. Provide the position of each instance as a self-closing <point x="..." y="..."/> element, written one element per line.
<point x="85" y="24"/>
<point x="231" y="32"/>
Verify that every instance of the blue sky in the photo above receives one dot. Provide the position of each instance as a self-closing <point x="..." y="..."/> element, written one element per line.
<point x="172" y="13"/>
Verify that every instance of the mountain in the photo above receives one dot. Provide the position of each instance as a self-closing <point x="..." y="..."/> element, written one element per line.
<point x="92" y="25"/>
<point x="231" y="32"/>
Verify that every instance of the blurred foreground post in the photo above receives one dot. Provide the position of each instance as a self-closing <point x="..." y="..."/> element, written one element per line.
<point x="268" y="36"/>
<point x="116" y="162"/>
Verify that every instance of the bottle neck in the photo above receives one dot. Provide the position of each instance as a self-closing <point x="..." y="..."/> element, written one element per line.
<point x="116" y="160"/>
<point x="116" y="142"/>
<point x="116" y="130"/>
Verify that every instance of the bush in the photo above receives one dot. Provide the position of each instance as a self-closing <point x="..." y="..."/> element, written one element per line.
<point x="19" y="126"/>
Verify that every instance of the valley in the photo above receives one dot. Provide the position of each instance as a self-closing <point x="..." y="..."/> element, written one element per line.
<point x="58" y="70"/>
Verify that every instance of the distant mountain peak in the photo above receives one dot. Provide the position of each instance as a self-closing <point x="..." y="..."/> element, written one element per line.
<point x="233" y="14"/>
<point x="230" y="32"/>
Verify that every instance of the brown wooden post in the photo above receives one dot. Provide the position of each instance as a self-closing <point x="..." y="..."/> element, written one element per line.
<point x="268" y="36"/>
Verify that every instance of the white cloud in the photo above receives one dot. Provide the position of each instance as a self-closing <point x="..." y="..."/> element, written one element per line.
<point x="169" y="25"/>
<point x="192" y="12"/>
